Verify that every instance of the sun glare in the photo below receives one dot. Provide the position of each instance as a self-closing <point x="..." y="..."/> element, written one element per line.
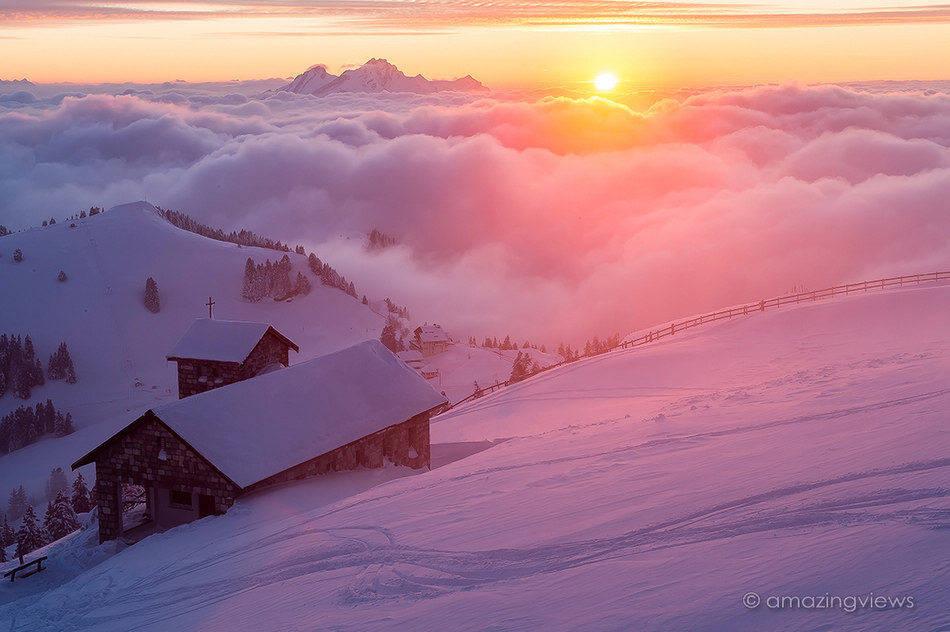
<point x="606" y="82"/>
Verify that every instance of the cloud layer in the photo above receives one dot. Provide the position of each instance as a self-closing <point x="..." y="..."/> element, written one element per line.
<point x="550" y="219"/>
<point x="439" y="14"/>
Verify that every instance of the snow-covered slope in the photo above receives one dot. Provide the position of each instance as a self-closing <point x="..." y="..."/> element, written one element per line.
<point x="310" y="81"/>
<point x="118" y="347"/>
<point x="376" y="75"/>
<point x="461" y="366"/>
<point x="798" y="452"/>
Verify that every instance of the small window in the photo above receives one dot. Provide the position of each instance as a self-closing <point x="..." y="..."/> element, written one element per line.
<point x="181" y="498"/>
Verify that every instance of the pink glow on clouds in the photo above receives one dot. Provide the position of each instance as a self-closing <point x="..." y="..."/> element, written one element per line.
<point x="550" y="219"/>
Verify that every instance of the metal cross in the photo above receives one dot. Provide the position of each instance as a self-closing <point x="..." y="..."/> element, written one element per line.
<point x="210" y="303"/>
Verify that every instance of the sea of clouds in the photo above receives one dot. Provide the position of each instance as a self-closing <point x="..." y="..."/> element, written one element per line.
<point x="550" y="218"/>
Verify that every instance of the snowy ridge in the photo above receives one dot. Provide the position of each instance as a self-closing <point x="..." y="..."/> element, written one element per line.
<point x="797" y="452"/>
<point x="118" y="347"/>
<point x="376" y="75"/>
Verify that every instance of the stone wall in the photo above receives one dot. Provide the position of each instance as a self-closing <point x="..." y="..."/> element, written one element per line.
<point x="134" y="458"/>
<point x="198" y="376"/>
<point x="269" y="350"/>
<point x="392" y="443"/>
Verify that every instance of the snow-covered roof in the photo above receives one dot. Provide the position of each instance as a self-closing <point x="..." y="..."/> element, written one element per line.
<point x="410" y="356"/>
<point x="222" y="340"/>
<point x="432" y="333"/>
<point x="254" y="429"/>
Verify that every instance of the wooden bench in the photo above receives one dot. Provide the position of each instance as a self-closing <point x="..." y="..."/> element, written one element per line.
<point x="39" y="566"/>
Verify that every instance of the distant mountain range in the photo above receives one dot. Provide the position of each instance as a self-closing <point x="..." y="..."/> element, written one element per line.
<point x="376" y="75"/>
<point x="16" y="83"/>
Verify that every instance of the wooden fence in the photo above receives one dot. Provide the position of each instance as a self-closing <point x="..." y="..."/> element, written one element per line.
<point x="742" y="310"/>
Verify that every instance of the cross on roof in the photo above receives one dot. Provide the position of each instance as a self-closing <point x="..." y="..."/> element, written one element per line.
<point x="210" y="304"/>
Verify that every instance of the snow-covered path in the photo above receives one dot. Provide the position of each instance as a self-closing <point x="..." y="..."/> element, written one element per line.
<point x="797" y="454"/>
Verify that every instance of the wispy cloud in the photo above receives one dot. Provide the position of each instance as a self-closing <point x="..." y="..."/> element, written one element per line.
<point x="414" y="15"/>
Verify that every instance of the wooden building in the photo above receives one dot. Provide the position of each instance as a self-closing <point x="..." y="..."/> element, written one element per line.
<point x="215" y="353"/>
<point x="359" y="407"/>
<point x="429" y="340"/>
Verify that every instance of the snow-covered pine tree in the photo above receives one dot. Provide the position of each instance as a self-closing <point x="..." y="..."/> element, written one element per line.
<point x="64" y="425"/>
<point x="80" y="499"/>
<point x="316" y="266"/>
<point x="21" y="376"/>
<point x="31" y="535"/>
<point x="151" y="295"/>
<point x="18" y="255"/>
<point x="61" y="365"/>
<point x="62" y="276"/>
<point x="388" y="335"/>
<point x="46" y="419"/>
<point x="521" y="367"/>
<point x="48" y="516"/>
<point x="302" y="285"/>
<point x="63" y="520"/>
<point x="37" y="373"/>
<point x="250" y="271"/>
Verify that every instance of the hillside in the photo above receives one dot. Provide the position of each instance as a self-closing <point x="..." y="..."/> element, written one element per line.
<point x="795" y="452"/>
<point x="118" y="347"/>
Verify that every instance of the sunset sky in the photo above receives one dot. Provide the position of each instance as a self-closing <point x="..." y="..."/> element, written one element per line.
<point x="504" y="44"/>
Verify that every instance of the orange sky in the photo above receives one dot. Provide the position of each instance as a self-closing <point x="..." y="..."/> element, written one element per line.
<point x="512" y="44"/>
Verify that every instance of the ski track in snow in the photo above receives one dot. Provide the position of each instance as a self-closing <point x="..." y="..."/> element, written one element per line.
<point x="385" y="570"/>
<point x="810" y="442"/>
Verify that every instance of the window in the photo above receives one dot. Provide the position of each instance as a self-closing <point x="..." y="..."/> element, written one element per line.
<point x="181" y="498"/>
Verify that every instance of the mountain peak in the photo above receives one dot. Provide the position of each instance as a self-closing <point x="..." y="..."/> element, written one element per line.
<point x="376" y="75"/>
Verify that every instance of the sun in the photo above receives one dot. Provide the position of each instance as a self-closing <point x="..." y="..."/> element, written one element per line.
<point x="605" y="82"/>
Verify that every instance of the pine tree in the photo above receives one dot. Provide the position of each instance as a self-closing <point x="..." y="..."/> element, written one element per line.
<point x="62" y="276"/>
<point x="60" y="365"/>
<point x="388" y="335"/>
<point x="80" y="499"/>
<point x="57" y="483"/>
<point x="61" y="518"/>
<point x="46" y="417"/>
<point x="21" y="378"/>
<point x="37" y="373"/>
<point x="302" y="285"/>
<point x="17" y="504"/>
<point x="7" y="535"/>
<point x="31" y="536"/>
<point x="3" y="554"/>
<point x="151" y="295"/>
<point x="48" y="516"/>
<point x="64" y="425"/>
<point x="521" y="368"/>
<point x="18" y="255"/>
